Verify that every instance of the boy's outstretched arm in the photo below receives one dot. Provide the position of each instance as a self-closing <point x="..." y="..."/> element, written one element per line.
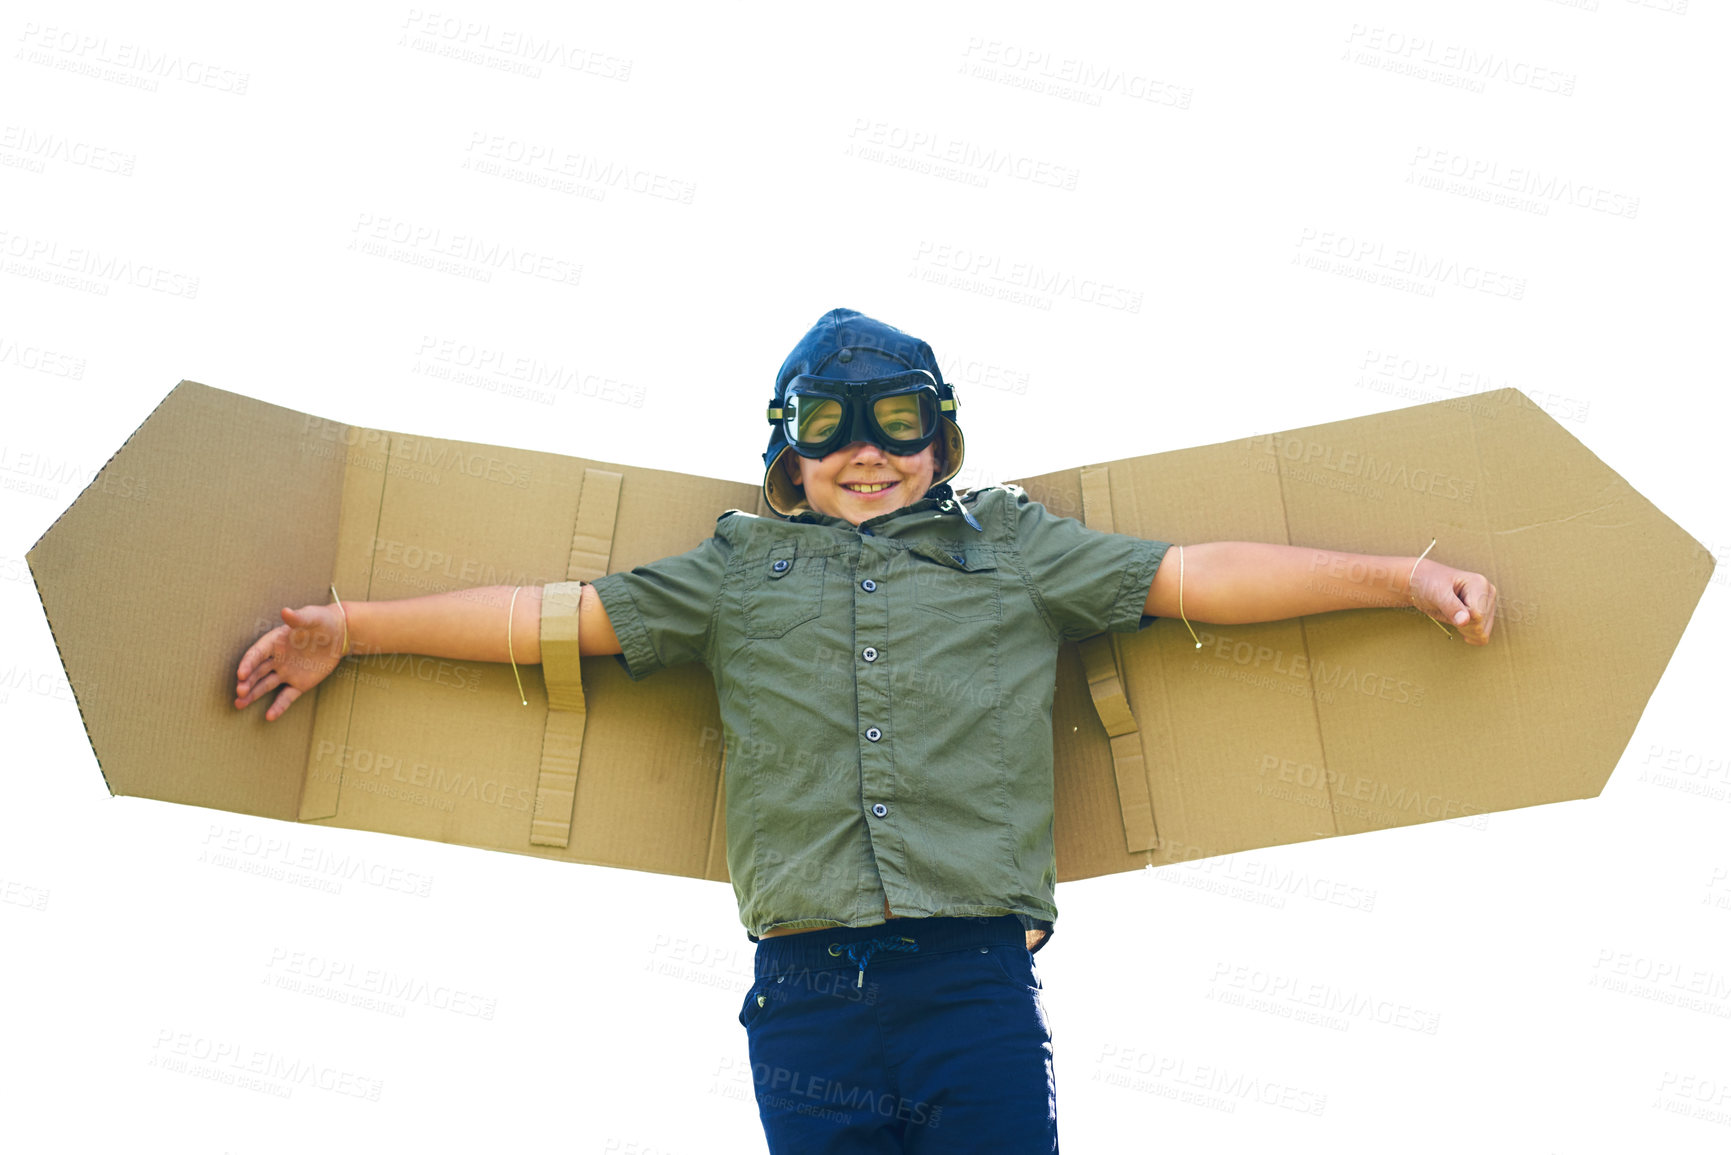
<point x="463" y="624"/>
<point x="1232" y="582"/>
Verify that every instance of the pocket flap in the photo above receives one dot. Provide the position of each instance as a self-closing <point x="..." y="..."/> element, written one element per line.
<point x="968" y="561"/>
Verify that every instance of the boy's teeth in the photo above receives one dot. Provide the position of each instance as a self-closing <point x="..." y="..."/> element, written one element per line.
<point x="872" y="488"/>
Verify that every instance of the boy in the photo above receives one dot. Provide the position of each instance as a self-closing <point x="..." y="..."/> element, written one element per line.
<point x="884" y="660"/>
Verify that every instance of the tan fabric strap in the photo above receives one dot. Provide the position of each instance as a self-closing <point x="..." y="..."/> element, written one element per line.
<point x="1106" y="687"/>
<point x="561" y="666"/>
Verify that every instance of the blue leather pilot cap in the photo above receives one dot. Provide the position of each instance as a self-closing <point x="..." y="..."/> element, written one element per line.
<point x="847" y="345"/>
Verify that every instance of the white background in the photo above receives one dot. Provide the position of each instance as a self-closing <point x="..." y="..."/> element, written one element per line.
<point x="1205" y="149"/>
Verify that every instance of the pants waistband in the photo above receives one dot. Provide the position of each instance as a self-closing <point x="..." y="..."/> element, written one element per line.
<point x="853" y="947"/>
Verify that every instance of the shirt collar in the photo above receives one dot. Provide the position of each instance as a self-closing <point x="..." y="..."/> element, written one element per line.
<point x="813" y="517"/>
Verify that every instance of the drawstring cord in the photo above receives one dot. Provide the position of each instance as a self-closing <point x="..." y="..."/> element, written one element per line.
<point x="871" y="946"/>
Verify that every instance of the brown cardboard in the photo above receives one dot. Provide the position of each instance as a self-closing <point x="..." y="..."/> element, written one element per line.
<point x="1274" y="733"/>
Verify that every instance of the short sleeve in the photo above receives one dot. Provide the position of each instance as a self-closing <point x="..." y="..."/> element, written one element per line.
<point x="663" y="612"/>
<point x="1084" y="581"/>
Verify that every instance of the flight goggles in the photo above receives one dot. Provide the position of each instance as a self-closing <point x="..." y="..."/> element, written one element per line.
<point x="899" y="413"/>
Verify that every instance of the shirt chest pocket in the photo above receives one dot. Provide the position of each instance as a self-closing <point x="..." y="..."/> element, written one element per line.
<point x="781" y="593"/>
<point x="962" y="587"/>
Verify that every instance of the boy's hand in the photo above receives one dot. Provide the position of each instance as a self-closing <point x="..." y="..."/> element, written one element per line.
<point x="297" y="655"/>
<point x="1455" y="597"/>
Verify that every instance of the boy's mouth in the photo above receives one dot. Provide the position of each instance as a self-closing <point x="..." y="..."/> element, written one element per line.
<point x="867" y="486"/>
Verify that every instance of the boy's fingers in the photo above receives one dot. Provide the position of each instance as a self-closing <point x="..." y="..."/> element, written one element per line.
<point x="1478" y="596"/>
<point x="283" y="701"/>
<point x="252" y="655"/>
<point x="257" y="672"/>
<point x="258" y="650"/>
<point x="258" y="691"/>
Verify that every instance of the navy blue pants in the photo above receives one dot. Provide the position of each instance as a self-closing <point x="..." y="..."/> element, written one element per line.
<point x="919" y="1035"/>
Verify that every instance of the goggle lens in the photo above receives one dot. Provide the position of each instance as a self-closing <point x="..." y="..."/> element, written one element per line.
<point x="908" y="417"/>
<point x="813" y="418"/>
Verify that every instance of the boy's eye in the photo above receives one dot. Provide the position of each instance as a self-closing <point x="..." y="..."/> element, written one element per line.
<point x="899" y="417"/>
<point x="816" y="422"/>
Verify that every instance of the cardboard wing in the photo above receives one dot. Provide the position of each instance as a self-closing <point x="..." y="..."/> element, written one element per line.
<point x="220" y="508"/>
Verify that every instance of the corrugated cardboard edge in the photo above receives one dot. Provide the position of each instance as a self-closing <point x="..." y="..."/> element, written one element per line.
<point x="59" y="651"/>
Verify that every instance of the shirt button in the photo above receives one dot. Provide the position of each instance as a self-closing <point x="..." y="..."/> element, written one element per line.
<point x="870" y="654"/>
<point x="780" y="566"/>
<point x="868" y="585"/>
<point x="873" y="734"/>
<point x="880" y="810"/>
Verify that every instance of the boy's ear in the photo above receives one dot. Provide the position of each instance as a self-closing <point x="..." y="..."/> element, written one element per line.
<point x="790" y="466"/>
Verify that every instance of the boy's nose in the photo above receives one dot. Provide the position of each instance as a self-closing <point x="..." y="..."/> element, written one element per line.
<point x="866" y="451"/>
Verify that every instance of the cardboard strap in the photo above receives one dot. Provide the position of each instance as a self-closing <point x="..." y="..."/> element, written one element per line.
<point x="1105" y="676"/>
<point x="367" y="455"/>
<point x="561" y="667"/>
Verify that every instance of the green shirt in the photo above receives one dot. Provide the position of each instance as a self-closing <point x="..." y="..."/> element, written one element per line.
<point x="886" y="696"/>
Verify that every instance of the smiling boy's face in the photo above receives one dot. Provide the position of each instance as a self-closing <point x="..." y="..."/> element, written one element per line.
<point x="860" y="481"/>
